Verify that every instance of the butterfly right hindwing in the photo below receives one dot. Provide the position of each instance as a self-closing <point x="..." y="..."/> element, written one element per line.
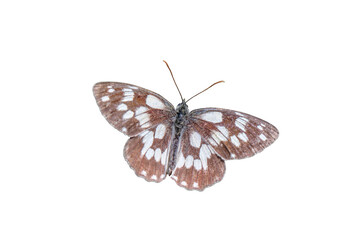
<point x="198" y="166"/>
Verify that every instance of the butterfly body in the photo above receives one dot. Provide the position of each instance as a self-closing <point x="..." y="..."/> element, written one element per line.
<point x="190" y="147"/>
<point x="179" y="122"/>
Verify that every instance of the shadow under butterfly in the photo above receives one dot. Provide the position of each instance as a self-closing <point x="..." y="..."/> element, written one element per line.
<point x="190" y="147"/>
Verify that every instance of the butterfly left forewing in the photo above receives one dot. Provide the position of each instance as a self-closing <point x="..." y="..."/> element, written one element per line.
<point x="232" y="134"/>
<point x="131" y="109"/>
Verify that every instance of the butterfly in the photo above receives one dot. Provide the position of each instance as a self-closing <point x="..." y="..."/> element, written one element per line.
<point x="190" y="147"/>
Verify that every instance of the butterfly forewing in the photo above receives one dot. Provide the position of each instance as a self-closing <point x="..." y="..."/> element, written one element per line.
<point x="131" y="109"/>
<point x="198" y="166"/>
<point x="147" y="153"/>
<point x="233" y="135"/>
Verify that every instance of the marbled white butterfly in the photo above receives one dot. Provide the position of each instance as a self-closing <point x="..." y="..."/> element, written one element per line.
<point x="190" y="147"/>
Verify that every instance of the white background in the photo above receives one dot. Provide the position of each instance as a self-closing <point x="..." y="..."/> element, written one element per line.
<point x="295" y="64"/>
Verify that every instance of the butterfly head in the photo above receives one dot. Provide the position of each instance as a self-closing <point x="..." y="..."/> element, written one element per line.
<point x="182" y="108"/>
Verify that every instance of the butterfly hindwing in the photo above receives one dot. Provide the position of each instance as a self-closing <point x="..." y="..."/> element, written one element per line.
<point x="198" y="166"/>
<point x="148" y="152"/>
<point x="131" y="109"/>
<point x="233" y="135"/>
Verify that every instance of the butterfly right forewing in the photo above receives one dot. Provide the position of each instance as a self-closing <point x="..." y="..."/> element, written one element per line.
<point x="232" y="134"/>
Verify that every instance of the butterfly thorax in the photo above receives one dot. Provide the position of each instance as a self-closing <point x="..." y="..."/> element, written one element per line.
<point x="181" y="117"/>
<point x="179" y="122"/>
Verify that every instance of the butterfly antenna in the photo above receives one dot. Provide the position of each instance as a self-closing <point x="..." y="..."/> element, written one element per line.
<point x="174" y="80"/>
<point x="205" y="90"/>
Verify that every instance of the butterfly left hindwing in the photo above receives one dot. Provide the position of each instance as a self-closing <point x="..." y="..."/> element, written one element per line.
<point x="147" y="153"/>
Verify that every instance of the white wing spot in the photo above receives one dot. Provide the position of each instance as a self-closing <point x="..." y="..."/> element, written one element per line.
<point x="211" y="149"/>
<point x="181" y="161"/>
<point x="149" y="153"/>
<point x="160" y="131"/>
<point x="197" y="164"/>
<point x="195" y="139"/>
<point x="110" y="90"/>
<point x="148" y="141"/>
<point x="109" y="86"/>
<point x="235" y="141"/>
<point x="164" y="157"/>
<point x="204" y="154"/>
<point x="128" y="98"/>
<point x="133" y="87"/>
<point x="154" y="102"/>
<point x="124" y="129"/>
<point x="195" y="185"/>
<point x="122" y="107"/>
<point x="157" y="154"/>
<point x="105" y="99"/>
<point x="183" y="183"/>
<point x="263" y="137"/>
<point x="217" y="135"/>
<point x="245" y="120"/>
<point x="140" y="110"/>
<point x="143" y="118"/>
<point x="189" y="161"/>
<point x="146" y="124"/>
<point x="243" y="137"/>
<point x="128" y="114"/>
<point x="211" y="141"/>
<point x="215" y="139"/>
<point x="142" y="134"/>
<point x="260" y="127"/>
<point x="214" y="117"/>
<point x="162" y="176"/>
<point x="223" y="130"/>
<point x="127" y="94"/>
<point x="144" y="173"/>
<point x="240" y="123"/>
<point x="154" y="177"/>
<point x="233" y="155"/>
